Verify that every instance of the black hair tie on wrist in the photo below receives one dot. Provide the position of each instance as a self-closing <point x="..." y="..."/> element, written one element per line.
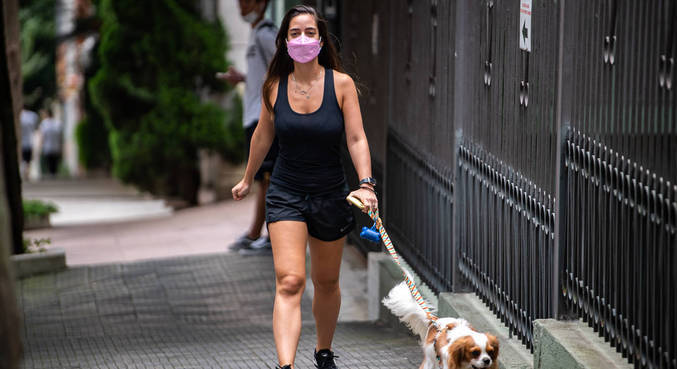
<point x="368" y="188"/>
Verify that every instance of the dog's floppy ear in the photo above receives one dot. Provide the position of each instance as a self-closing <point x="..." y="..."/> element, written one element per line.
<point x="458" y="352"/>
<point x="492" y="350"/>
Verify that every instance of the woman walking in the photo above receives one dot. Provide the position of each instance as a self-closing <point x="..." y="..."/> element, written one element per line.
<point x="309" y="104"/>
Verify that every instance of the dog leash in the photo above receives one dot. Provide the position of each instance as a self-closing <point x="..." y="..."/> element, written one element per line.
<point x="391" y="250"/>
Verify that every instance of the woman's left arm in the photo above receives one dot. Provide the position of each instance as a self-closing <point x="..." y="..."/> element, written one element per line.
<point x="356" y="139"/>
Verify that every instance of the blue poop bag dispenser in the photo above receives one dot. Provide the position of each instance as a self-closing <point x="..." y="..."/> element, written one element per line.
<point x="371" y="234"/>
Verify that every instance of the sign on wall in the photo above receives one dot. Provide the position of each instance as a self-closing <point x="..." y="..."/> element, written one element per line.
<point x="525" y="25"/>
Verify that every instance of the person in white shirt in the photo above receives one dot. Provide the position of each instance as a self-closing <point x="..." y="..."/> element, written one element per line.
<point x="29" y="122"/>
<point x="51" y="142"/>
<point x="260" y="50"/>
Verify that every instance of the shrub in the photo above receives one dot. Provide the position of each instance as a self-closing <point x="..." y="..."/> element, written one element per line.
<point x="92" y="138"/>
<point x="233" y="149"/>
<point x="38" y="51"/>
<point x="33" y="245"/>
<point x="91" y="132"/>
<point x="38" y="208"/>
<point x="155" y="56"/>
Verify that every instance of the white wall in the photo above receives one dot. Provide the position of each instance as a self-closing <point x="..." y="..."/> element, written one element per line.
<point x="238" y="33"/>
<point x="238" y="30"/>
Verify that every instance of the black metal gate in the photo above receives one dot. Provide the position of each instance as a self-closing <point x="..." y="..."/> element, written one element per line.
<point x="542" y="180"/>
<point x="620" y="220"/>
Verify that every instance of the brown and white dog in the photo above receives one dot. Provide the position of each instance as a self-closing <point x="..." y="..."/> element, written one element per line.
<point x="448" y="343"/>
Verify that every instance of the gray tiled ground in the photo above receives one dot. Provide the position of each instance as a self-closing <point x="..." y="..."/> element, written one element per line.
<point x="210" y="311"/>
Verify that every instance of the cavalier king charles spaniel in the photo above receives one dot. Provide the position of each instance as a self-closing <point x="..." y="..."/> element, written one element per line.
<point x="448" y="343"/>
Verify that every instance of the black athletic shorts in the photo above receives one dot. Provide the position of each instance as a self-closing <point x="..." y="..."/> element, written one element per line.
<point x="269" y="161"/>
<point x="328" y="216"/>
<point x="27" y="155"/>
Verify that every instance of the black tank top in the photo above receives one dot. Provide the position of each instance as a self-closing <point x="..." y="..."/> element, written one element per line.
<point x="309" y="157"/>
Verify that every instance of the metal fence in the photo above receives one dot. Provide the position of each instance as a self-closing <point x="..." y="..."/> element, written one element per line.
<point x="620" y="251"/>
<point x="423" y="232"/>
<point x="506" y="239"/>
<point x="507" y="96"/>
<point x="544" y="181"/>
<point x="618" y="241"/>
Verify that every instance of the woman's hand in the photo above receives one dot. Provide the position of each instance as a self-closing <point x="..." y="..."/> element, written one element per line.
<point x="367" y="197"/>
<point x="232" y="76"/>
<point x="241" y="190"/>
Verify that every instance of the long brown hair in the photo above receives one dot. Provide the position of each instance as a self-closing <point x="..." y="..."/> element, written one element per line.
<point x="282" y="64"/>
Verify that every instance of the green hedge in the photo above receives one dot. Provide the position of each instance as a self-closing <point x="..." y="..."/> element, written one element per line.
<point x="38" y="51"/>
<point x="155" y="56"/>
<point x="92" y="138"/>
<point x="37" y="208"/>
<point x="91" y="133"/>
<point x="234" y="150"/>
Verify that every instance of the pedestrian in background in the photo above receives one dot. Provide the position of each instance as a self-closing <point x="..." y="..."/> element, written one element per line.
<point x="29" y="123"/>
<point x="260" y="51"/>
<point x="309" y="105"/>
<point x="52" y="133"/>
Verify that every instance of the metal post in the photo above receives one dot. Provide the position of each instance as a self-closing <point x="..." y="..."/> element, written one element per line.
<point x="562" y="107"/>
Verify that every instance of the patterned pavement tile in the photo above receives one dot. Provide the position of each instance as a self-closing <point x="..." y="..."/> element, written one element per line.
<point x="211" y="311"/>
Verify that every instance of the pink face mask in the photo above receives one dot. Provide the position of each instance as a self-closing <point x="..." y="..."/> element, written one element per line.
<point x="303" y="49"/>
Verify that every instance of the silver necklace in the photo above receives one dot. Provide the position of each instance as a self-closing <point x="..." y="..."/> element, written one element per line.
<point x="301" y="91"/>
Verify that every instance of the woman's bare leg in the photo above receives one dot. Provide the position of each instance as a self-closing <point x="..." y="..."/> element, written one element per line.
<point x="288" y="239"/>
<point x="259" y="210"/>
<point x="326" y="263"/>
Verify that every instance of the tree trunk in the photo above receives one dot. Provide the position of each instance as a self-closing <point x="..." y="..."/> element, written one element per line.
<point x="11" y="217"/>
<point x="10" y="91"/>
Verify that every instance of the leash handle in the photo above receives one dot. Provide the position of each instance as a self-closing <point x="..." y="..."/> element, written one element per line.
<point x="355" y="201"/>
<point x="391" y="250"/>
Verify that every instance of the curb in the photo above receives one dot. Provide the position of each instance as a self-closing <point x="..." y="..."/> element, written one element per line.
<point x="572" y="344"/>
<point x="50" y="261"/>
<point x="37" y="222"/>
<point x="382" y="275"/>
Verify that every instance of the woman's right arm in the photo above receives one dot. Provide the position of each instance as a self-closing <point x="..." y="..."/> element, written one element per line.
<point x="261" y="140"/>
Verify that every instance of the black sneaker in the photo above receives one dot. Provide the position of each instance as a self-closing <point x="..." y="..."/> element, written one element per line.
<point x="324" y="359"/>
<point x="283" y="367"/>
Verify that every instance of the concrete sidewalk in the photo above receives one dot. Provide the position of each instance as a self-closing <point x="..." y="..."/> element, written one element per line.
<point x="210" y="311"/>
<point x="199" y="230"/>
<point x="164" y="292"/>
<point x="88" y="201"/>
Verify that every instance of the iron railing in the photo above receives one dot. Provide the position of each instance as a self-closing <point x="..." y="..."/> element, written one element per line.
<point x="420" y="213"/>
<point x="506" y="240"/>
<point x="620" y="251"/>
<point x="486" y="184"/>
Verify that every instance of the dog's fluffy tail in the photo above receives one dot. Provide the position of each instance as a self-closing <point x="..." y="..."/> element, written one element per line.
<point x="402" y="304"/>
